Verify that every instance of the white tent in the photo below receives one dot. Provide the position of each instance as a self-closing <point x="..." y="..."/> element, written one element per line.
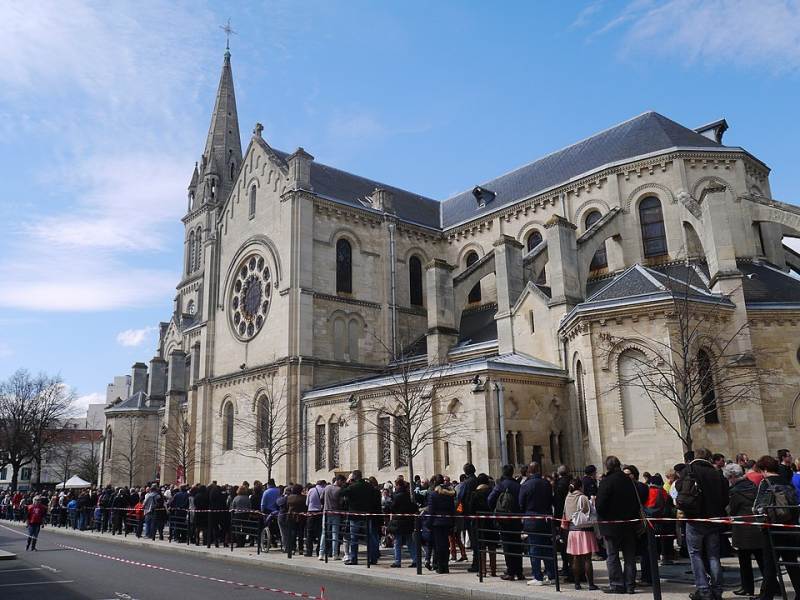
<point x="73" y="483"/>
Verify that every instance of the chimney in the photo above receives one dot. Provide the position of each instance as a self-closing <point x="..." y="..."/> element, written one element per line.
<point x="138" y="378"/>
<point x="177" y="376"/>
<point x="300" y="169"/>
<point x="714" y="131"/>
<point x="383" y="200"/>
<point x="157" y="387"/>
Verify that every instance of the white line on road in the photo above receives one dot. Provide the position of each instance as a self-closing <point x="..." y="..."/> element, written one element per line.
<point x="18" y="570"/>
<point x="36" y="583"/>
<point x="51" y="569"/>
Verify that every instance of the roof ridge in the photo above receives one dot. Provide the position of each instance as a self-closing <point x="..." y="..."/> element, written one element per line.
<point x="580" y="141"/>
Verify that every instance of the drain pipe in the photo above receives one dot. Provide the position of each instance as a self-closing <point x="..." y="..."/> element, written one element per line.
<point x="393" y="274"/>
<point x="501" y="412"/>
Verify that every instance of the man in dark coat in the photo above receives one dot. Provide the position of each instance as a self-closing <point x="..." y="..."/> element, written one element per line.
<point x="536" y="500"/>
<point x="560" y="492"/>
<point x="617" y="500"/>
<point x="510" y="529"/>
<point x="360" y="497"/>
<point x="464" y="497"/>
<point x="703" y="539"/>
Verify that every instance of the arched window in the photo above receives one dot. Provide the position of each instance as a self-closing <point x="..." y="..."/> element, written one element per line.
<point x="320" y="448"/>
<point x="475" y="292"/>
<point x="190" y="254"/>
<point x="581" y="399"/>
<point x="333" y="445"/>
<point x="252" y="208"/>
<point x="534" y="239"/>
<point x="654" y="236"/>
<point x="706" y="378"/>
<point x="265" y="434"/>
<point x="384" y="443"/>
<point x="339" y="338"/>
<point x="599" y="260"/>
<point x="109" y="440"/>
<point x="344" y="267"/>
<point x="198" y="253"/>
<point x="233" y="170"/>
<point x="415" y="280"/>
<point x="637" y="410"/>
<point x="227" y="426"/>
<point x="353" y="335"/>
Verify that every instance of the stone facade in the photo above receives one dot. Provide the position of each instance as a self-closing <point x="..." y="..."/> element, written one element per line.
<point x="313" y="282"/>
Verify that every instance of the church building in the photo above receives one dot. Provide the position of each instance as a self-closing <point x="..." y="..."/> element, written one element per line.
<point x="311" y="298"/>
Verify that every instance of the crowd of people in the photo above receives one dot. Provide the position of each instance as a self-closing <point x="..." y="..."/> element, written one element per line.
<point x="617" y="516"/>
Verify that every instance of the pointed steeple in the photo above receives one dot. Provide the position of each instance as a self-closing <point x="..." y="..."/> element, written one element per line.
<point x="222" y="156"/>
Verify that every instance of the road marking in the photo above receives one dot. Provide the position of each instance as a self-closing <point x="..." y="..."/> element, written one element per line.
<point x="36" y="583"/>
<point x="18" y="570"/>
<point x="51" y="569"/>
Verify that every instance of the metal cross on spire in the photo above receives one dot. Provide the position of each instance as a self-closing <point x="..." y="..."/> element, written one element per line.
<point x="228" y="31"/>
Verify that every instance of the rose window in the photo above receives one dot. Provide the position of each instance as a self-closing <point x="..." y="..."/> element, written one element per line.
<point x="249" y="297"/>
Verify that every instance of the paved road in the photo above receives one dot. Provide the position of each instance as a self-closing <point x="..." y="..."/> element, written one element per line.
<point x="70" y="568"/>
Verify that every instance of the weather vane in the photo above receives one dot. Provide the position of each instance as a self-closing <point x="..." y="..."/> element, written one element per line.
<point x="228" y="31"/>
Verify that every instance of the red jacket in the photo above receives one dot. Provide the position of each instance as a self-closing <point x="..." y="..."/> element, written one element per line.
<point x="36" y="513"/>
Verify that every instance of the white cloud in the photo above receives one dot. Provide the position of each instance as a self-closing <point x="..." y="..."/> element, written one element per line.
<point x="134" y="337"/>
<point x="110" y="90"/>
<point x="83" y="401"/>
<point x="751" y="34"/>
<point x="5" y="350"/>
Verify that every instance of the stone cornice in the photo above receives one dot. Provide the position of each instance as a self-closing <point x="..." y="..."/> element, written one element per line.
<point x="346" y="300"/>
<point x="596" y="180"/>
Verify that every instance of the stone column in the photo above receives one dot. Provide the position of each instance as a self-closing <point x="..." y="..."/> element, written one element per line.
<point x="442" y="332"/>
<point x="138" y="378"/>
<point x="562" y="261"/>
<point x="510" y="282"/>
<point x="300" y="169"/>
<point x="717" y="240"/>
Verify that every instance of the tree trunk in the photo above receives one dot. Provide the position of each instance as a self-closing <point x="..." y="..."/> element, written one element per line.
<point x="411" y="476"/>
<point x="14" y="476"/>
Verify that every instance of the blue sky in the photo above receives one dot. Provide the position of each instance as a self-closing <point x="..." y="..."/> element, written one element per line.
<point x="104" y="108"/>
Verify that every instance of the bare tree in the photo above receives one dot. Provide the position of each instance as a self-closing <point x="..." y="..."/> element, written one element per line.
<point x="29" y="407"/>
<point x="698" y="367"/>
<point x="413" y="413"/>
<point x="264" y="433"/>
<point x="88" y="463"/>
<point x="63" y="455"/>
<point x="129" y="443"/>
<point x="179" y="449"/>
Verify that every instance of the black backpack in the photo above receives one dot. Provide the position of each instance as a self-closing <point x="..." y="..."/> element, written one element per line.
<point x="690" y="495"/>
<point x="778" y="504"/>
<point x="505" y="502"/>
<point x="158" y="502"/>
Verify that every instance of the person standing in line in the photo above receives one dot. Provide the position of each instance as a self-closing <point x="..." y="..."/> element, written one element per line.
<point x="560" y="493"/>
<point x="464" y="498"/>
<point x="703" y="539"/>
<point x="581" y="541"/>
<point x="331" y="519"/>
<point x="441" y="505"/>
<point x="401" y="525"/>
<point x="314" y="505"/>
<point x="504" y="501"/>
<point x="618" y="500"/>
<point x="360" y="497"/>
<point x="747" y="538"/>
<point x="785" y="466"/>
<point x="35" y="517"/>
<point x="536" y="500"/>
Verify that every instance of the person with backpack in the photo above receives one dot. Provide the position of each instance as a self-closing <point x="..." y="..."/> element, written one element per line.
<point x="618" y="500"/>
<point x="703" y="493"/>
<point x="464" y="508"/>
<point x="503" y="501"/>
<point x="776" y="502"/>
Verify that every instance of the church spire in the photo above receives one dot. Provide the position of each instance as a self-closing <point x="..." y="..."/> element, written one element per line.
<point x="223" y="152"/>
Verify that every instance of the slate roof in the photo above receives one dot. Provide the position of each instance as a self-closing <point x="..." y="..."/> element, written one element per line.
<point x="644" y="134"/>
<point x="478" y="325"/>
<point x="649" y="132"/>
<point x="765" y="284"/>
<point x="137" y="401"/>
<point x="351" y="189"/>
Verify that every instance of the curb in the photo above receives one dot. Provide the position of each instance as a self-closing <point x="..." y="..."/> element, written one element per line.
<point x="422" y="589"/>
<point x="7" y="555"/>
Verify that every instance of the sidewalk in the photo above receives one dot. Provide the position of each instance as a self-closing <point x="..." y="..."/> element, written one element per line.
<point x="676" y="584"/>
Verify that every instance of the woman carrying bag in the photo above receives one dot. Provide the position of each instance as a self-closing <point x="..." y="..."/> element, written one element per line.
<point x="580" y="518"/>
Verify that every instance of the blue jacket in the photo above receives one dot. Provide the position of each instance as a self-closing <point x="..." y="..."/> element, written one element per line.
<point x="536" y="496"/>
<point x="269" y="499"/>
<point x="505" y="483"/>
